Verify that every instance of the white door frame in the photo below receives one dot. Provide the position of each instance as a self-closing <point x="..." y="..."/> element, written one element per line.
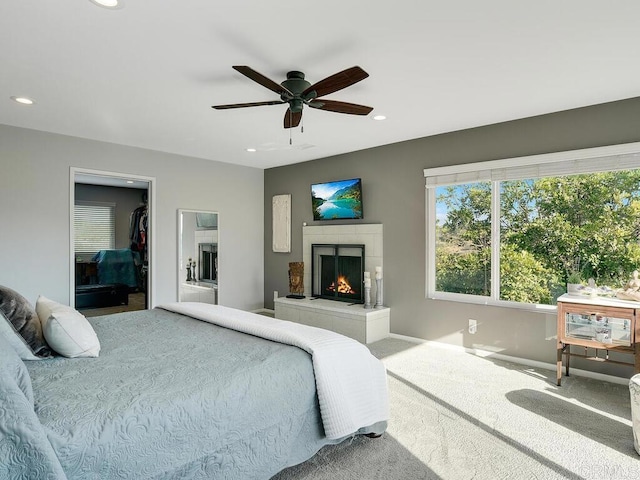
<point x="151" y="245"/>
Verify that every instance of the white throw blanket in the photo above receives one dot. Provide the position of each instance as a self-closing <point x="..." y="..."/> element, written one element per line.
<point x="351" y="383"/>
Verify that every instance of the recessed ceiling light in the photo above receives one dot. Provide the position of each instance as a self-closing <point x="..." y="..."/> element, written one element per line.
<point x="110" y="4"/>
<point x="23" y="100"/>
<point x="251" y="149"/>
<point x="379" y="117"/>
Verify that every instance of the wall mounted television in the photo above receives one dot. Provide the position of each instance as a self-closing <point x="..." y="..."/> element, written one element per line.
<point x="338" y="200"/>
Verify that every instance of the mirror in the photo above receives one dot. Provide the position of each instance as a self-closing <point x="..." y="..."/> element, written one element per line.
<point x="197" y="256"/>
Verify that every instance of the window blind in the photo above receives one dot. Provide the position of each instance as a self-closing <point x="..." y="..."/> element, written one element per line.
<point x="94" y="227"/>
<point x="552" y="165"/>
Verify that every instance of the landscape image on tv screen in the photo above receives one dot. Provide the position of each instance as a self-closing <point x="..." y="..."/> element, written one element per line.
<point x="337" y="200"/>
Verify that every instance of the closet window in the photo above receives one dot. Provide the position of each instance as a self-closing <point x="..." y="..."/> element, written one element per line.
<point x="94" y="226"/>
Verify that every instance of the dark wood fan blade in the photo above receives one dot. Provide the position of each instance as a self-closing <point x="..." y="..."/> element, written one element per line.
<point x="341" y="107"/>
<point x="291" y="119"/>
<point x="262" y="80"/>
<point x="336" y="82"/>
<point x="243" y="105"/>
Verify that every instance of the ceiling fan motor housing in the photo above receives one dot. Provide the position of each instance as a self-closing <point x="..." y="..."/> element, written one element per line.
<point x="296" y="84"/>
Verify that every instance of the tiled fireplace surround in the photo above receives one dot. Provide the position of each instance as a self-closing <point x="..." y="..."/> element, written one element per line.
<point x="369" y="235"/>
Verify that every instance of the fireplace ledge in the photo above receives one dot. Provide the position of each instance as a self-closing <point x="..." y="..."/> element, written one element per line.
<point x="354" y="321"/>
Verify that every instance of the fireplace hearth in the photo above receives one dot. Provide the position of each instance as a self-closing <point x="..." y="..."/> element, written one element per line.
<point x="337" y="272"/>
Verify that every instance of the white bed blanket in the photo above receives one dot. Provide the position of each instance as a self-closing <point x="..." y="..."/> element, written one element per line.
<point x="351" y="382"/>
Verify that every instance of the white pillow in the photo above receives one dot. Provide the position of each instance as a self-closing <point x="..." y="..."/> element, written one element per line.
<point x="66" y="330"/>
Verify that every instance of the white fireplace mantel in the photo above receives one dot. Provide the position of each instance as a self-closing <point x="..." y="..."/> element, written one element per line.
<point x="352" y="320"/>
<point x="369" y="235"/>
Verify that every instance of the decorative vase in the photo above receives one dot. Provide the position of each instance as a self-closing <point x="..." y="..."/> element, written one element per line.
<point x="367" y="296"/>
<point x="573" y="288"/>
<point x="378" y="293"/>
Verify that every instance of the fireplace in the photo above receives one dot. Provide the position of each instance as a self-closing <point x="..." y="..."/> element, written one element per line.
<point x="337" y="272"/>
<point x="208" y="256"/>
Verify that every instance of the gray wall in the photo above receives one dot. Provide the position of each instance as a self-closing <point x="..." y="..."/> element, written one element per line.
<point x="34" y="213"/>
<point x="394" y="195"/>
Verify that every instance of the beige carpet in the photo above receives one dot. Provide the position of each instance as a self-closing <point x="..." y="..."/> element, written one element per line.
<point x="459" y="416"/>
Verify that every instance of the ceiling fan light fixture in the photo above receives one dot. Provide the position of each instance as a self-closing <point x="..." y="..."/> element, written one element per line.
<point x="110" y="4"/>
<point x="23" y="100"/>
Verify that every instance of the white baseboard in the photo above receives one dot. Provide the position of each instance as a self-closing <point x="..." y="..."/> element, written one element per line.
<point x="508" y="358"/>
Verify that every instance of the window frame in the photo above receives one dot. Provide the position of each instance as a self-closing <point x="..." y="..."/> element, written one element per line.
<point x="614" y="157"/>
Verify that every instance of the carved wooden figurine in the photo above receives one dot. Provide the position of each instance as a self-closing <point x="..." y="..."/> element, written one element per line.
<point x="296" y="278"/>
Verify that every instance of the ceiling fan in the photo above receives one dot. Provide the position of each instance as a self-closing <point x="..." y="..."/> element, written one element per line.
<point x="298" y="92"/>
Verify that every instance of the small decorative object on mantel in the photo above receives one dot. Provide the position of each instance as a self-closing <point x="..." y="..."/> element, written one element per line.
<point x="367" y="290"/>
<point x="631" y="291"/>
<point x="296" y="280"/>
<point x="378" y="288"/>
<point x="189" y="277"/>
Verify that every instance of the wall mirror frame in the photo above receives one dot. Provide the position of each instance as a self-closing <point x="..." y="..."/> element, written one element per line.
<point x="198" y="247"/>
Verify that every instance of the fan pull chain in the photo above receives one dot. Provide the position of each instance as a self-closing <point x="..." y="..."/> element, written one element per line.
<point x="290" y="122"/>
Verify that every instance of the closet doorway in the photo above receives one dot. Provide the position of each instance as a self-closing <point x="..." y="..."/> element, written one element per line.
<point x="112" y="242"/>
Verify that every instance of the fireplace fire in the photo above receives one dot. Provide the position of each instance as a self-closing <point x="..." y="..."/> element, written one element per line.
<point x="336" y="272"/>
<point x="343" y="285"/>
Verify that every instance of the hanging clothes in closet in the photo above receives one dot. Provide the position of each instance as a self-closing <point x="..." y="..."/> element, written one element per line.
<point x="138" y="224"/>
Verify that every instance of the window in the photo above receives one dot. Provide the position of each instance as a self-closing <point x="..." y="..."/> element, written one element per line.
<point x="94" y="227"/>
<point x="512" y="231"/>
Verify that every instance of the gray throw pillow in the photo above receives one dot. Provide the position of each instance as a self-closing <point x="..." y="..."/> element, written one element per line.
<point x="17" y="310"/>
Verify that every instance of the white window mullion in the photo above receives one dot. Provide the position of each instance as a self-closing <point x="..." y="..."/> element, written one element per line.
<point x="430" y="198"/>
<point x="495" y="240"/>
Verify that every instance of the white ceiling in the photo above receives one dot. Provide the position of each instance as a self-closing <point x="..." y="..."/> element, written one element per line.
<point x="147" y="74"/>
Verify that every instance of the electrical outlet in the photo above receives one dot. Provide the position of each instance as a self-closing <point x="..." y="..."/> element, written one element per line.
<point x="275" y="294"/>
<point x="473" y="326"/>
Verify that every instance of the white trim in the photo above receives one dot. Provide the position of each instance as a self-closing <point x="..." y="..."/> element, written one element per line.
<point x="508" y="358"/>
<point x="495" y="241"/>
<point x="621" y="149"/>
<point x="430" y="202"/>
<point x="480" y="300"/>
<point x="180" y="211"/>
<point x="151" y="245"/>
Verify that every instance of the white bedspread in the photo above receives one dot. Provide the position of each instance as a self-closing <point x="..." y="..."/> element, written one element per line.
<point x="351" y="382"/>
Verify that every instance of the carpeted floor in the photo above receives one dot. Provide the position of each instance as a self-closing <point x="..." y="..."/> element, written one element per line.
<point x="459" y="416"/>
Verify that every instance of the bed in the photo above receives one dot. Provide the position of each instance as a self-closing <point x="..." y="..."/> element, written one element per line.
<point x="187" y="391"/>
